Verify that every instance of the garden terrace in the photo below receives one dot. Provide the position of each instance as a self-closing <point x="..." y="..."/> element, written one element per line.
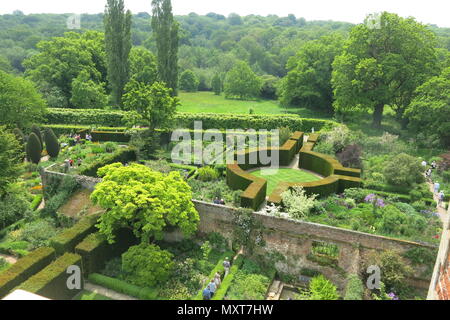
<point x="335" y="177"/>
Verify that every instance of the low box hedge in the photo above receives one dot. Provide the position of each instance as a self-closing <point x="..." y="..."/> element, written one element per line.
<point x="217" y="269"/>
<point x="69" y="238"/>
<point x="124" y="287"/>
<point x="36" y="202"/>
<point x="122" y="155"/>
<point x="228" y="280"/>
<point x="51" y="282"/>
<point x="110" y="136"/>
<point x="24" y="268"/>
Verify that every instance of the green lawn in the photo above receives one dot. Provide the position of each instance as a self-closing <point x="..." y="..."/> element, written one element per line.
<point x="89" y="295"/>
<point x="274" y="176"/>
<point x="208" y="102"/>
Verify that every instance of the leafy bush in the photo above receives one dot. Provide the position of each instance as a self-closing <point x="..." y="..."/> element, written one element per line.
<point x="147" y="264"/>
<point x="51" y="143"/>
<point x="350" y="156"/>
<point x="298" y="204"/>
<point x="39" y="232"/>
<point x="354" y="289"/>
<point x="248" y="286"/>
<point x="207" y="174"/>
<point x="320" y="288"/>
<point x="34" y="148"/>
<point x="403" y="170"/>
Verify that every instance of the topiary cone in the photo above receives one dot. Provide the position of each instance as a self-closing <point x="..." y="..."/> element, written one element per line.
<point x="51" y="143"/>
<point x="34" y="148"/>
<point x="35" y="129"/>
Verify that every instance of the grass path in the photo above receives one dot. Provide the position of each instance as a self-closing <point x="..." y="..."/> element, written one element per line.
<point x="208" y="102"/>
<point x="275" y="176"/>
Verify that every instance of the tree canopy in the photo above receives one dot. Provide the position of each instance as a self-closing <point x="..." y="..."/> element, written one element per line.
<point x="144" y="200"/>
<point x="383" y="66"/>
<point x="11" y="159"/>
<point x="20" y="103"/>
<point x="241" y="82"/>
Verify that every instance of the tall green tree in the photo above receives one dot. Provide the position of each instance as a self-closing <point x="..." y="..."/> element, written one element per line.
<point x="165" y="31"/>
<point x="429" y="112"/>
<point x="51" y="143"/>
<point x="383" y="65"/>
<point x="61" y="59"/>
<point x="216" y="84"/>
<point x="308" y="83"/>
<point x="241" y="82"/>
<point x="118" y="45"/>
<point x="189" y="81"/>
<point x="88" y="94"/>
<point x="34" y="148"/>
<point x="20" y="103"/>
<point x="11" y="156"/>
<point x="143" y="65"/>
<point x="144" y="200"/>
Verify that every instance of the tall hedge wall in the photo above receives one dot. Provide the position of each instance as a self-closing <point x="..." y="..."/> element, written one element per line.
<point x="24" y="268"/>
<point x="69" y="238"/>
<point x="51" y="282"/>
<point x="186" y="120"/>
<point x="122" y="155"/>
<point x="96" y="251"/>
<point x="317" y="162"/>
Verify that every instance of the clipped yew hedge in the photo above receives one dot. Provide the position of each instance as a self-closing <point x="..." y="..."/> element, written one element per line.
<point x="228" y="280"/>
<point x="110" y="136"/>
<point x="122" y="155"/>
<point x="51" y="282"/>
<point x="69" y="238"/>
<point x="24" y="268"/>
<point x="113" y="118"/>
<point x="96" y="251"/>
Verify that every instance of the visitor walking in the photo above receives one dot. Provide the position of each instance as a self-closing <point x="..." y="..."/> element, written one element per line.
<point x="436" y="187"/>
<point x="424" y="163"/>
<point x="222" y="202"/>
<point x="207" y="293"/>
<point x="440" y="198"/>
<point x="428" y="174"/>
<point x="226" y="266"/>
<point x="433" y="165"/>
<point x="212" y="287"/>
<point x="216" y="200"/>
<point x="217" y="280"/>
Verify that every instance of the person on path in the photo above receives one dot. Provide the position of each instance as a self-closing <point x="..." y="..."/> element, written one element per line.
<point x="226" y="266"/>
<point x="207" y="293"/>
<point x="424" y="163"/>
<point x="433" y="165"/>
<point x="436" y="187"/>
<point x="428" y="174"/>
<point x="217" y="280"/>
<point x="212" y="287"/>
<point x="440" y="198"/>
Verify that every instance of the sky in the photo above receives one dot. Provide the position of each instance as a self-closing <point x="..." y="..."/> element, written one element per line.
<point x="429" y="11"/>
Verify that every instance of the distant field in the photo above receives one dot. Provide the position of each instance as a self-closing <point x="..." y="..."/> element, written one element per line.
<point x="208" y="102"/>
<point x="274" y="177"/>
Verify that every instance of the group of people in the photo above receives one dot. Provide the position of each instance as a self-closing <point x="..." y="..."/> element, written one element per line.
<point x="215" y="283"/>
<point x="69" y="163"/>
<point x="218" y="201"/>
<point x="77" y="138"/>
<point x="436" y="186"/>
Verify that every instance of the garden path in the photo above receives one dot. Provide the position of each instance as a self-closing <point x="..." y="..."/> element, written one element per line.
<point x="107" y="292"/>
<point x="441" y="211"/>
<point x="8" y="258"/>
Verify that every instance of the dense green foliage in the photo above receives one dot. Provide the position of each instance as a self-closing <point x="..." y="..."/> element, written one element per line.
<point x="147" y="265"/>
<point x="189" y="81"/>
<point x="117" y="23"/>
<point x="34" y="148"/>
<point x="165" y="31"/>
<point x="241" y="82"/>
<point x="428" y="107"/>
<point x="51" y="143"/>
<point x="88" y="94"/>
<point x="11" y="157"/>
<point x="20" y="103"/>
<point x="144" y="200"/>
<point x="383" y="66"/>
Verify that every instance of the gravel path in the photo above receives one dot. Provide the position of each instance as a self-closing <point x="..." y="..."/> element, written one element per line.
<point x="107" y="292"/>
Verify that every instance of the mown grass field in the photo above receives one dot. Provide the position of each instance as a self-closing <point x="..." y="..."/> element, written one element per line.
<point x="208" y="102"/>
<point x="274" y="176"/>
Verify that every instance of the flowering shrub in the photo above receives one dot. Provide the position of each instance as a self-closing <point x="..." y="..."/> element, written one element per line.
<point x="298" y="204"/>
